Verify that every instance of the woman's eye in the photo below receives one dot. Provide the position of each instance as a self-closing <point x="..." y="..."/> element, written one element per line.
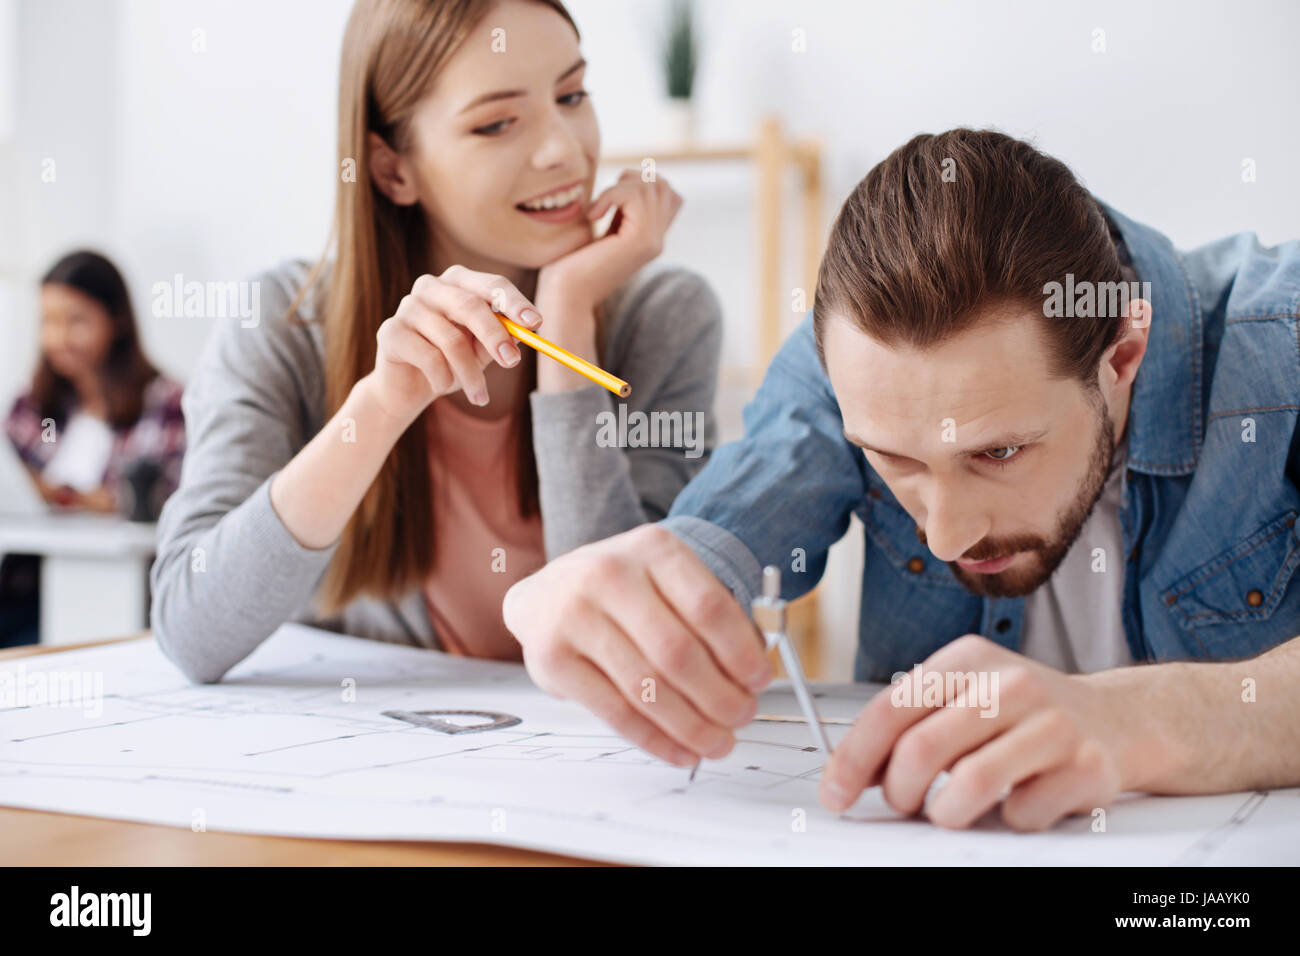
<point x="500" y="126"/>
<point x="494" y="129"/>
<point x="1003" y="454"/>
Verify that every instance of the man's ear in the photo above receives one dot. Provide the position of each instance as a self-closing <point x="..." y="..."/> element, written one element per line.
<point x="391" y="173"/>
<point x="1125" y="357"/>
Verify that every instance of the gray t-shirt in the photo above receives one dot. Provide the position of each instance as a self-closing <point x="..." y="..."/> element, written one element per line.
<point x="1074" y="622"/>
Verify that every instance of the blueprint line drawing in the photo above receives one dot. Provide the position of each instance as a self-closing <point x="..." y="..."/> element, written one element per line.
<point x="279" y="748"/>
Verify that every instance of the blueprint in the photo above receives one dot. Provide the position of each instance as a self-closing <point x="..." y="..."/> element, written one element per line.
<point x="320" y="735"/>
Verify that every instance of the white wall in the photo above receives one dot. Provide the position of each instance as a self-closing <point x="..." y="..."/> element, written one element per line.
<point x="63" y="109"/>
<point x="8" y="69"/>
<point x="8" y="194"/>
<point x="217" y="164"/>
<point x="225" y="158"/>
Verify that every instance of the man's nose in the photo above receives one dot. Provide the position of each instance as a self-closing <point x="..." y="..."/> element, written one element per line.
<point x="953" y="525"/>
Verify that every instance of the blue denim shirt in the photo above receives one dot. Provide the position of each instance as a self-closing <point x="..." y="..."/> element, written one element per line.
<point x="1209" y="517"/>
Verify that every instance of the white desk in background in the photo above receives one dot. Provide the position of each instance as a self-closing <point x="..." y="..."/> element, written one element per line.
<point x="94" y="572"/>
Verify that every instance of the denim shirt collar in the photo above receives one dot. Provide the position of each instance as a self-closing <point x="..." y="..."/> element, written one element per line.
<point x="1165" y="423"/>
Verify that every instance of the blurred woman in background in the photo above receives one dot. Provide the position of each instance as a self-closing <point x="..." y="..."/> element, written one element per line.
<point x="100" y="428"/>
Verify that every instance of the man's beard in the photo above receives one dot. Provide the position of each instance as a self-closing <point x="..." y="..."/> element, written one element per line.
<point x="1043" y="556"/>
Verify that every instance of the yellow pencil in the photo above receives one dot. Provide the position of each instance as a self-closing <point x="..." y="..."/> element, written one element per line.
<point x="594" y="372"/>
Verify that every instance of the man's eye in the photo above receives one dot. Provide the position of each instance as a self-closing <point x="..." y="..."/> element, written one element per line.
<point x="1003" y="454"/>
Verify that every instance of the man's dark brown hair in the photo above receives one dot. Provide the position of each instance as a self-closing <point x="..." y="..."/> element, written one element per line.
<point x="951" y="224"/>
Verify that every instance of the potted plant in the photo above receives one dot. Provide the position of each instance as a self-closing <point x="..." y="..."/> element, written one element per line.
<point x="679" y="59"/>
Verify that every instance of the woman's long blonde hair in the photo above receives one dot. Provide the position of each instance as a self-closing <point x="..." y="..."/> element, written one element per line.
<point x="393" y="51"/>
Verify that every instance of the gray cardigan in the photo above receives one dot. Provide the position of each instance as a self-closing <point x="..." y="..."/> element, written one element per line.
<point x="228" y="572"/>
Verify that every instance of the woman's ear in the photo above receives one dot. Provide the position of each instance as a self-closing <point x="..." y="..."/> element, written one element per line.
<point x="391" y="173"/>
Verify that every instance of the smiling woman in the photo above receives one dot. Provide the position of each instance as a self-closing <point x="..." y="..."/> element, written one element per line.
<point x="379" y="443"/>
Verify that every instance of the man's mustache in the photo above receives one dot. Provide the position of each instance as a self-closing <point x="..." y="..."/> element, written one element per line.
<point x="987" y="549"/>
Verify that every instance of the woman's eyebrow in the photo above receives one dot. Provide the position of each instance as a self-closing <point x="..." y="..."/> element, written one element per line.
<point x="510" y="94"/>
<point x="571" y="70"/>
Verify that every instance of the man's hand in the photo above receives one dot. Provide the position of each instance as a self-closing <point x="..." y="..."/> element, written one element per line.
<point x="637" y="629"/>
<point x="1042" y="743"/>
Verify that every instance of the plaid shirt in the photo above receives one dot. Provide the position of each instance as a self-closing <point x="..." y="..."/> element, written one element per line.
<point x="158" y="436"/>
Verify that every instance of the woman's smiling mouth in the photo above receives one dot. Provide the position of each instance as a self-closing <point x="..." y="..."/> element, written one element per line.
<point x="558" y="206"/>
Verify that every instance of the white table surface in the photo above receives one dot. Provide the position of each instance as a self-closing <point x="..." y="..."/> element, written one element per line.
<point x="76" y="535"/>
<point x="94" y="571"/>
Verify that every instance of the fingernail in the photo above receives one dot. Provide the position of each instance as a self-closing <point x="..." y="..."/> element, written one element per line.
<point x="479" y="397"/>
<point x="835" y="795"/>
<point x="509" y="354"/>
<point x="531" y="318"/>
<point x="760" y="678"/>
<point x="720" y="749"/>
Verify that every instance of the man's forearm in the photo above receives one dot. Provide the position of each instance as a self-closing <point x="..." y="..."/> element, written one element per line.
<point x="1215" y="727"/>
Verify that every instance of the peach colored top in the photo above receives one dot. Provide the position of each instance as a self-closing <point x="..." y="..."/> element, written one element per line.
<point x="481" y="544"/>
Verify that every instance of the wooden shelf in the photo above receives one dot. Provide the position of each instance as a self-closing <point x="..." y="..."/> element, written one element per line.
<point x="772" y="155"/>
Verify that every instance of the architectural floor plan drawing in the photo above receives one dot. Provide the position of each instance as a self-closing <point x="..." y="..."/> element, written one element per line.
<point x="322" y="735"/>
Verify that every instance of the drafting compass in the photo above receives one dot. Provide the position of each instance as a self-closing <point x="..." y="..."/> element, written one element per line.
<point x="768" y="612"/>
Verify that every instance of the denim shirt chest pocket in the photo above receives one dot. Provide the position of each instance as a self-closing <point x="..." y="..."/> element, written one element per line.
<point x="911" y="603"/>
<point x="1244" y="585"/>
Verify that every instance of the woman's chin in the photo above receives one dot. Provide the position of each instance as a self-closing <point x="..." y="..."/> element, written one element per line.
<point x="67" y="369"/>
<point x="557" y="246"/>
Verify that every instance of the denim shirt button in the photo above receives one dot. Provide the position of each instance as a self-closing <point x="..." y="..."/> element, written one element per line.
<point x="1254" y="598"/>
<point x="915" y="565"/>
<point x="1003" y="625"/>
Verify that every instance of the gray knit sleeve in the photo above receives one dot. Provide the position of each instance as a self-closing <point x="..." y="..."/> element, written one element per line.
<point x="228" y="572"/>
<point x="607" y="464"/>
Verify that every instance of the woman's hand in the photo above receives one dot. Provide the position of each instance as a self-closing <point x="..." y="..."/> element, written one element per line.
<point x="101" y="500"/>
<point x="50" y="494"/>
<point x="584" y="277"/>
<point x="442" y="336"/>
